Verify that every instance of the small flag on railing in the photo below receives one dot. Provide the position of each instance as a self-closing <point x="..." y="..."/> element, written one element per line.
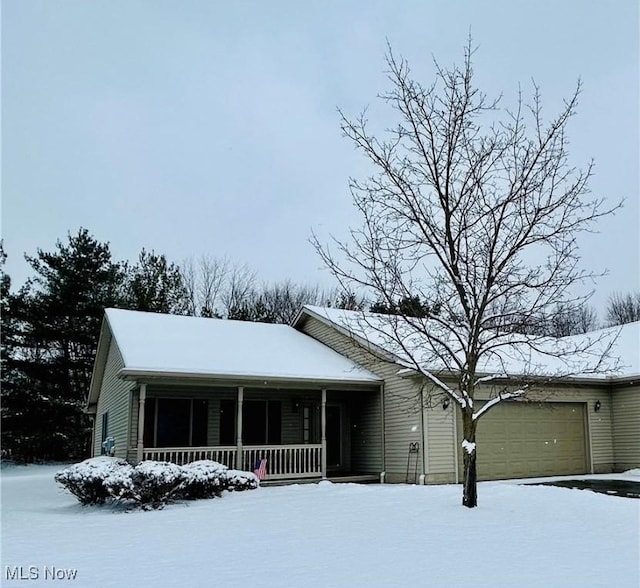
<point x="260" y="469"/>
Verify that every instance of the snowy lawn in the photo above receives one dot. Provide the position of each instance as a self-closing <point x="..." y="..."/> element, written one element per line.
<point x="323" y="535"/>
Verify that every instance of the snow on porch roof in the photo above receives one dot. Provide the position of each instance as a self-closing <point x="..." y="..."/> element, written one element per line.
<point x="181" y="345"/>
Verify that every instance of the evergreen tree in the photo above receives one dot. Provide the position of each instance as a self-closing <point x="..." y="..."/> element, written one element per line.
<point x="154" y="285"/>
<point x="50" y="331"/>
<point x="410" y="306"/>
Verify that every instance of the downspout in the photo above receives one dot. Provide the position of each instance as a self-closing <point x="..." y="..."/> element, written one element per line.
<point x="454" y="412"/>
<point x="424" y="440"/>
<point x="383" y="473"/>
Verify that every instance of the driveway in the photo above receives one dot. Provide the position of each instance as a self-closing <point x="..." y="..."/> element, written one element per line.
<point x="624" y="488"/>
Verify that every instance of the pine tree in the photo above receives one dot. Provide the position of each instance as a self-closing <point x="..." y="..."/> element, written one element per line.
<point x="154" y="285"/>
<point x="51" y="328"/>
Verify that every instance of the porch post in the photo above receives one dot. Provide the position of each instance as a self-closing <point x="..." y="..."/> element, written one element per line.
<point x="323" y="429"/>
<point x="141" y="401"/>
<point x="239" y="461"/>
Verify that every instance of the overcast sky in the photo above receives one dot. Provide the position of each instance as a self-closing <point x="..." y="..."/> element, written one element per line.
<point x="194" y="127"/>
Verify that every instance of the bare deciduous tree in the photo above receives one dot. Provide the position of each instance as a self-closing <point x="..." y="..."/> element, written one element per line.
<point x="572" y="321"/>
<point x="475" y="208"/>
<point x="217" y="287"/>
<point x="239" y="288"/>
<point x="204" y="282"/>
<point x="623" y="308"/>
<point x="284" y="300"/>
<point x="213" y="273"/>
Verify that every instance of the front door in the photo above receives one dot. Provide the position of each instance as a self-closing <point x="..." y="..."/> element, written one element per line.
<point x="334" y="436"/>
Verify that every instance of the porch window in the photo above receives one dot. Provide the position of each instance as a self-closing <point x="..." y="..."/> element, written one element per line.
<point x="227" y="422"/>
<point x="176" y="422"/>
<point x="261" y="422"/>
<point x="310" y="423"/>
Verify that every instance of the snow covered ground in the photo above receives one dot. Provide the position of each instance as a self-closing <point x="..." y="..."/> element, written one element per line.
<point x="323" y="535"/>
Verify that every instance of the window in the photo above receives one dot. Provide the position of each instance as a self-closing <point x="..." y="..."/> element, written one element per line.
<point x="105" y="430"/>
<point x="262" y="422"/>
<point x="227" y="422"/>
<point x="176" y="422"/>
<point x="310" y="428"/>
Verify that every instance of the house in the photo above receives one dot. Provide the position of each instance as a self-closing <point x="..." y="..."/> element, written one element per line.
<point x="320" y="398"/>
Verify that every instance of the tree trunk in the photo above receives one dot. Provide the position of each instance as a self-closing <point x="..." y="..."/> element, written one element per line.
<point x="470" y="483"/>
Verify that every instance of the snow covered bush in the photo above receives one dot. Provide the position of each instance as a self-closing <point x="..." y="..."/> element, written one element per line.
<point x="155" y="482"/>
<point x="87" y="480"/>
<point x="239" y="480"/>
<point x="150" y="483"/>
<point x="119" y="482"/>
<point x="203" y="479"/>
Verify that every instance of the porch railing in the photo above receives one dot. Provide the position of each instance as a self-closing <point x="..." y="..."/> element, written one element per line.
<point x="283" y="461"/>
<point x="225" y="455"/>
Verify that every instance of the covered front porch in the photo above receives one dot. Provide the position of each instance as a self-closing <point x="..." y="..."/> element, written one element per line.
<point x="302" y="433"/>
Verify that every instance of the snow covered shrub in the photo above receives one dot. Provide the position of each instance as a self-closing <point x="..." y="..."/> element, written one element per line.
<point x="86" y="480"/>
<point x="119" y="482"/>
<point x="238" y="480"/>
<point x="155" y="482"/>
<point x="203" y="479"/>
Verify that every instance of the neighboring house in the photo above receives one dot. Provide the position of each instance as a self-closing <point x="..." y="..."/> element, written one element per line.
<point x="318" y="399"/>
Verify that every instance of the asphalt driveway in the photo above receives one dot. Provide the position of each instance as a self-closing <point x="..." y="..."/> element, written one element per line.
<point x="624" y="488"/>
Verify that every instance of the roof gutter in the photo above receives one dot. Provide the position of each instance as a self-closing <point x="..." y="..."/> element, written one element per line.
<point x="592" y="381"/>
<point x="140" y="374"/>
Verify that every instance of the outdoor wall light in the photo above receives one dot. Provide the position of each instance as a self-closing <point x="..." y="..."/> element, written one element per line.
<point x="597" y="406"/>
<point x="295" y="406"/>
<point x="445" y="402"/>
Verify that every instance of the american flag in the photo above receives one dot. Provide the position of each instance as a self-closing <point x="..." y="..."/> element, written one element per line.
<point x="260" y="469"/>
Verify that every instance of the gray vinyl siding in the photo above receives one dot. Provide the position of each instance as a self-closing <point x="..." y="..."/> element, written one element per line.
<point x="440" y="435"/>
<point x="114" y="399"/>
<point x="401" y="397"/>
<point x="625" y="408"/>
<point x="366" y="433"/>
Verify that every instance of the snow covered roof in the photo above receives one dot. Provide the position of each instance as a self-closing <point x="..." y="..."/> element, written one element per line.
<point x="180" y="345"/>
<point x="380" y="333"/>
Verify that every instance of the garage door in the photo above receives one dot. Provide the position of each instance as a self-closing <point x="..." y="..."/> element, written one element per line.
<point x="518" y="440"/>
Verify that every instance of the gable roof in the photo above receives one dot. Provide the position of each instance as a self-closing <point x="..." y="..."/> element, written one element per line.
<point x="162" y="344"/>
<point x="375" y="332"/>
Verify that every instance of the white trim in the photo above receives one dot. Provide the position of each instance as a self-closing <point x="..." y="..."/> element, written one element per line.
<point x="239" y="404"/>
<point x="141" y="401"/>
<point x="588" y="440"/>
<point x="323" y="431"/>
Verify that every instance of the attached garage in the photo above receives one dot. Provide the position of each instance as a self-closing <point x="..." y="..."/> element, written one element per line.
<point x="520" y="440"/>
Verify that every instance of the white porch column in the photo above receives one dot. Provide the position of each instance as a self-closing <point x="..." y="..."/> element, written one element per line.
<point x="239" y="463"/>
<point x="141" y="401"/>
<point x="323" y="430"/>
